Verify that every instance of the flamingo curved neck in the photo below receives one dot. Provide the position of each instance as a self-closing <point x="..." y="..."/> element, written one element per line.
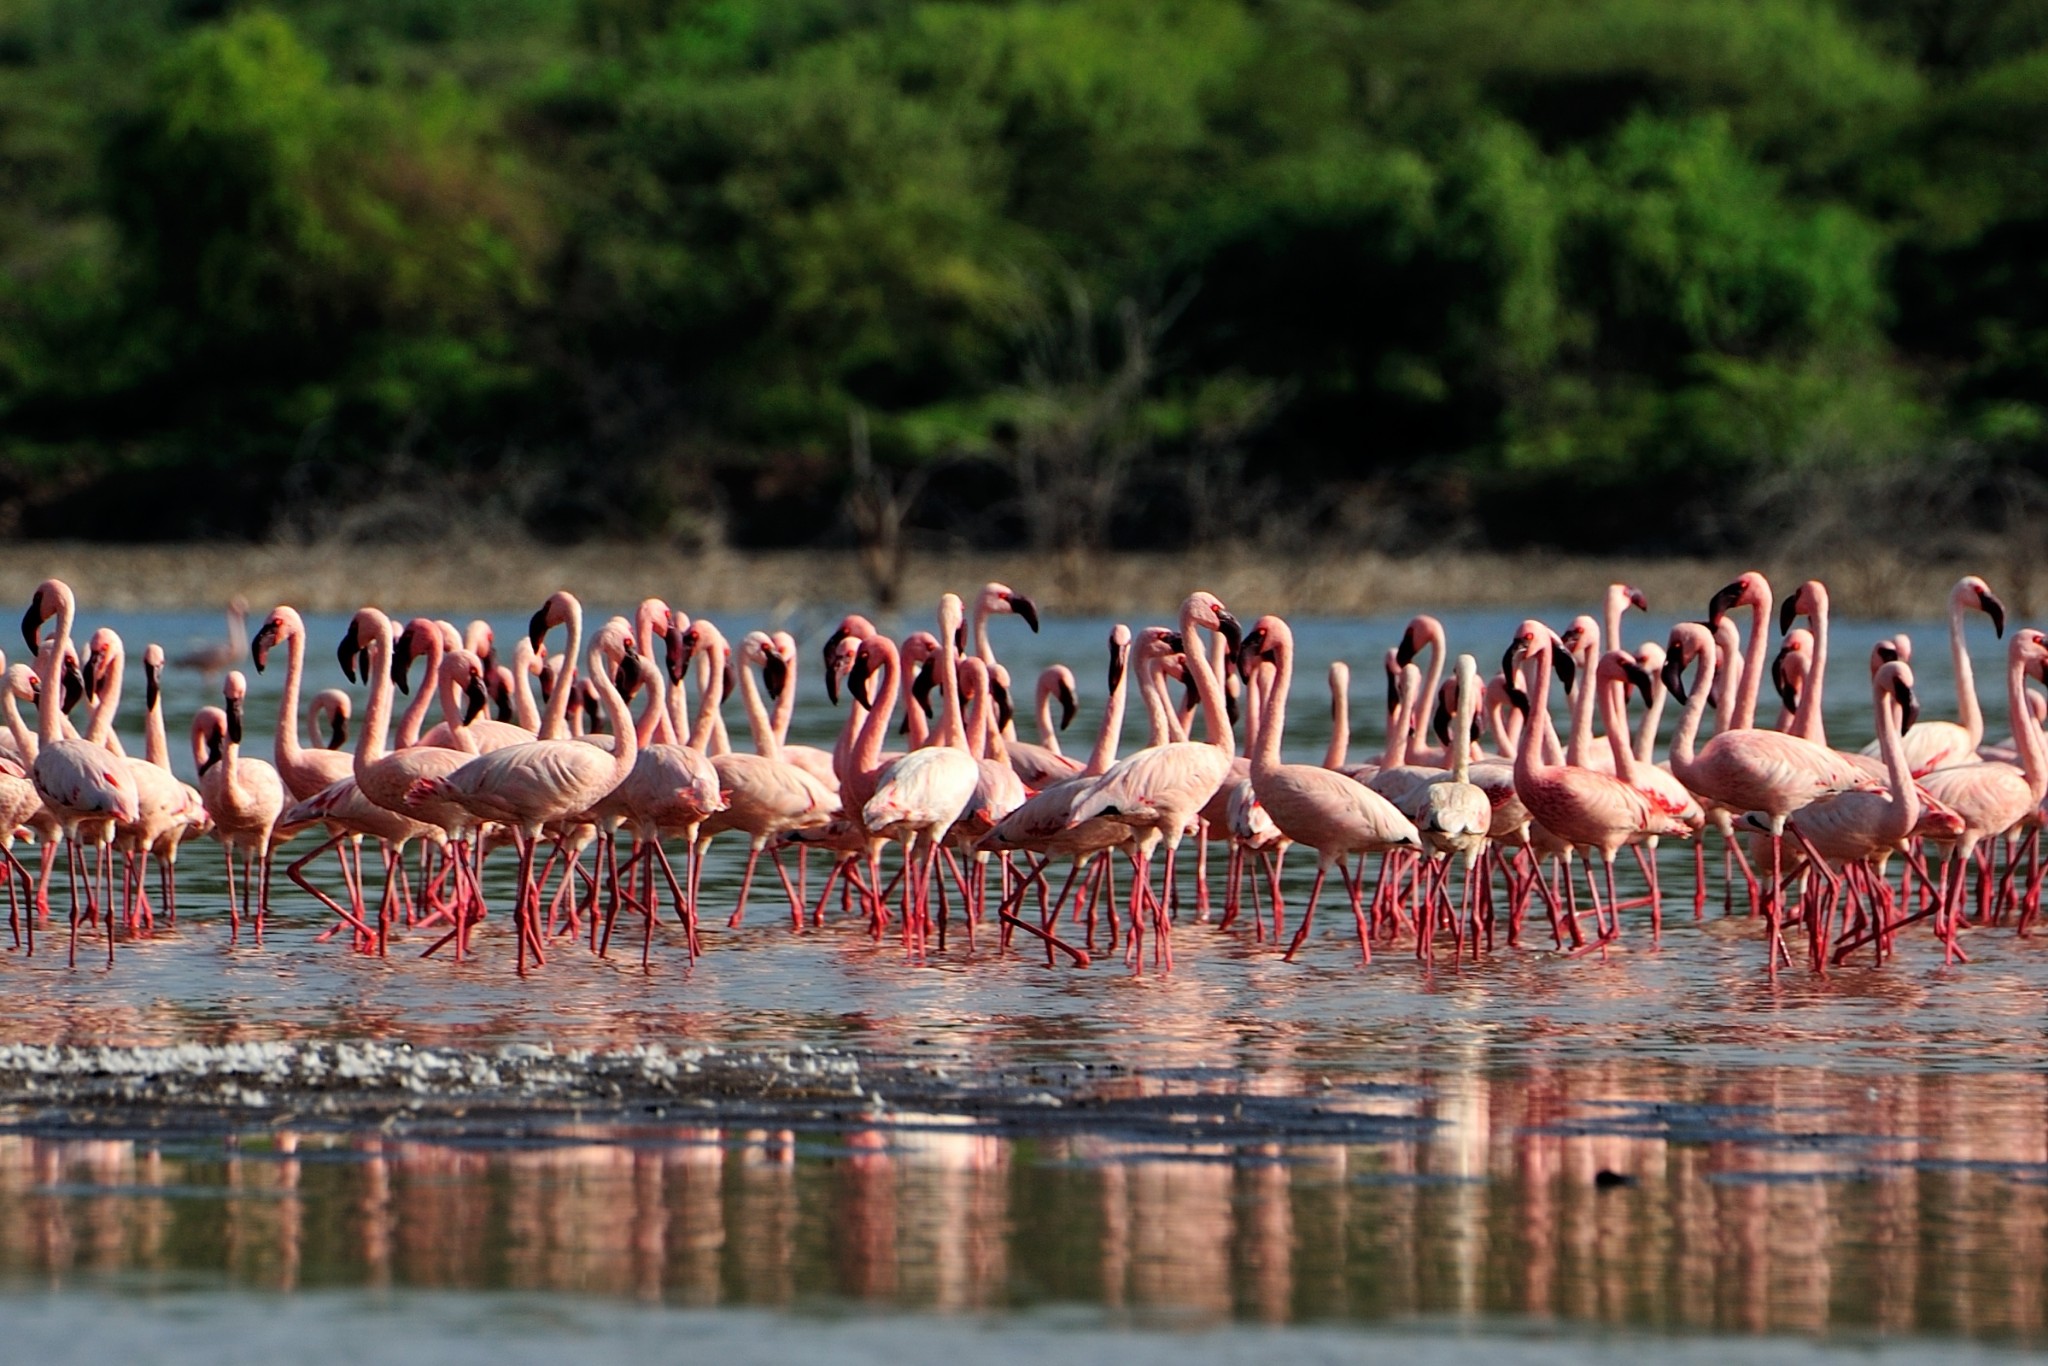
<point x="415" y="718"/>
<point x="1687" y="735"/>
<point x="2026" y="731"/>
<point x="1968" y="710"/>
<point x="766" y="743"/>
<point x="1273" y="715"/>
<point x="287" y="743"/>
<point x="1808" y="722"/>
<point x="1580" y="747"/>
<point x="101" y="731"/>
<point x="867" y="750"/>
<point x="554" y="723"/>
<point x="1753" y="661"/>
<point x="377" y="714"/>
<point x="1340" y="720"/>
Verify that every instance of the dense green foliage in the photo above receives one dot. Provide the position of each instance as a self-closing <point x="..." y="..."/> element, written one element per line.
<point x="1062" y="269"/>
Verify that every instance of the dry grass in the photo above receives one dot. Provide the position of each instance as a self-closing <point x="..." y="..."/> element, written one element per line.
<point x="480" y="576"/>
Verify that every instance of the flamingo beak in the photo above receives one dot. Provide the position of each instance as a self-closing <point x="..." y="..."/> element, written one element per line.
<point x="1230" y="712"/>
<point x="337" y="735"/>
<point x="1638" y="677"/>
<point x="347" y="652"/>
<point x="1405" y="652"/>
<point x="1788" y="614"/>
<point x="234" y="720"/>
<point x="1233" y="632"/>
<point x="72" y="685"/>
<point x="921" y="687"/>
<point x="259" y="648"/>
<point x="1909" y="705"/>
<point x="1673" y="674"/>
<point x="831" y="676"/>
<point x="1718" y="606"/>
<point x="857" y="679"/>
<point x="1887" y="653"/>
<point x="1188" y="696"/>
<point x="1994" y="609"/>
<point x="1025" y="608"/>
<point x="1508" y="659"/>
<point x="775" y="673"/>
<point x="32" y="621"/>
<point x="626" y="678"/>
<point x="1440" y="726"/>
<point x="1069" y="707"/>
<point x="678" y="656"/>
<point x="92" y="679"/>
<point x="1118" y="661"/>
<point x="537" y="627"/>
<point x="475" y="699"/>
<point x="1394" y="690"/>
<point x="212" y="752"/>
<point x="1561" y="661"/>
<point x="1005" y="712"/>
<point x="501" y="700"/>
<point x="152" y="685"/>
<point x="1638" y="601"/>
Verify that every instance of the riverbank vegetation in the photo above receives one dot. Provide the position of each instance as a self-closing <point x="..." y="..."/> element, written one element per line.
<point x="1673" y="277"/>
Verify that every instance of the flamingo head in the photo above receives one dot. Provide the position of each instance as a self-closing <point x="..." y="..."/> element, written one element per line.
<point x="1619" y="666"/>
<point x="1791" y="666"/>
<point x="50" y="597"/>
<point x="480" y="640"/>
<point x="364" y="627"/>
<point x="234" y="693"/>
<point x="560" y="609"/>
<point x="1971" y="591"/>
<point x="333" y="704"/>
<point x="1119" y="657"/>
<point x="1421" y="632"/>
<point x="2029" y="648"/>
<point x="1689" y="642"/>
<point x="152" y="675"/>
<point x="1808" y="600"/>
<point x="209" y="731"/>
<point x="1000" y="597"/>
<point x="1057" y="682"/>
<point x="1533" y="637"/>
<point x="999" y="693"/>
<point x="1650" y="658"/>
<point x="421" y="635"/>
<point x="675" y="654"/>
<point x="101" y="650"/>
<point x="1580" y="638"/>
<point x="283" y="623"/>
<point x="502" y="707"/>
<point x="1267" y="640"/>
<point x="1207" y="611"/>
<point x="1751" y="590"/>
<point x="1629" y="596"/>
<point x="874" y="652"/>
<point x="1886" y="652"/>
<point x="1896" y="680"/>
<point x="853" y="626"/>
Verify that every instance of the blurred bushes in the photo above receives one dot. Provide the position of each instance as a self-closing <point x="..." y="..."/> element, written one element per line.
<point x="1585" y="272"/>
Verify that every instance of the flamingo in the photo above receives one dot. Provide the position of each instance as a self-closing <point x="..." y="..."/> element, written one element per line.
<point x="1159" y="790"/>
<point x="163" y="811"/>
<point x="1454" y="815"/>
<point x="526" y="787"/>
<point x="332" y="706"/>
<point x="244" y="797"/>
<point x="778" y="673"/>
<point x="1326" y="811"/>
<point x="212" y="659"/>
<point x="1747" y="769"/>
<point x="925" y="793"/>
<point x="80" y="783"/>
<point x="1990" y="796"/>
<point x="1937" y="744"/>
<point x="1597" y="812"/>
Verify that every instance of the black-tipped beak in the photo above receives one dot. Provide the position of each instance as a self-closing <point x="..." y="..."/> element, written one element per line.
<point x="856" y="679"/>
<point x="152" y="685"/>
<point x="501" y="701"/>
<point x="91" y="680"/>
<point x="347" y="651"/>
<point x="1025" y="608"/>
<point x="71" y="685"/>
<point x="1781" y="683"/>
<point x="832" y="678"/>
<point x="960" y="639"/>
<point x="1994" y="609"/>
<point x="475" y="699"/>
<point x="626" y="678"/>
<point x="1508" y="659"/>
<point x="1638" y="677"/>
<point x="1440" y="726"/>
<point x="337" y="733"/>
<point x="259" y="647"/>
<point x="1176" y="643"/>
<point x="1233" y="632"/>
<point x="1394" y="690"/>
<point x="1637" y="601"/>
<point x="1909" y="705"/>
<point x="1188" y="695"/>
<point x="1518" y="699"/>
<point x="234" y="720"/>
<point x="212" y="752"/>
<point x="1118" y="661"/>
<point x="32" y="621"/>
<point x="1246" y="653"/>
<point x="1887" y="653"/>
<point x="1788" y="612"/>
<point x="1561" y="660"/>
<point x="678" y="657"/>
<point x="1718" y="605"/>
<point x="1406" y="650"/>
<point x="592" y="713"/>
<point x="775" y="674"/>
<point x="1069" y="707"/>
<point x="1673" y="674"/>
<point x="1230" y="712"/>
<point x="1005" y="712"/>
<point x="537" y="627"/>
<point x="921" y="687"/>
<point x="401" y="663"/>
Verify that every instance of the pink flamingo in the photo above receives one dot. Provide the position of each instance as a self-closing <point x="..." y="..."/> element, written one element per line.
<point x="1747" y="769"/>
<point x="1159" y="791"/>
<point x="1334" y="815"/>
<point x="1937" y="744"/>
<point x="331" y="707"/>
<point x="926" y="792"/>
<point x="1597" y="812"/>
<point x="1991" y="797"/>
<point x="244" y="797"/>
<point x="527" y="787"/>
<point x="80" y="782"/>
<point x="161" y="807"/>
<point x="778" y="675"/>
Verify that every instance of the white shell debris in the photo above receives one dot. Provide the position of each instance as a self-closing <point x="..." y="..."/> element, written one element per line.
<point x="289" y="1072"/>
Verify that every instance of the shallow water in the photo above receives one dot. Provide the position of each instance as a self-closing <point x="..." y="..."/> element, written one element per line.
<point x="1030" y="1152"/>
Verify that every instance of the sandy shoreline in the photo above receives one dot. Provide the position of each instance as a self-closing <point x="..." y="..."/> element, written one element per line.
<point x="482" y="576"/>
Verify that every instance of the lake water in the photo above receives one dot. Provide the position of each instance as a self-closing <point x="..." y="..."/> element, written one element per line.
<point x="810" y="1144"/>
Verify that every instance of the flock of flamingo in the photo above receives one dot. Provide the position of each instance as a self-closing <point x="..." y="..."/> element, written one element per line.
<point x="1475" y="787"/>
